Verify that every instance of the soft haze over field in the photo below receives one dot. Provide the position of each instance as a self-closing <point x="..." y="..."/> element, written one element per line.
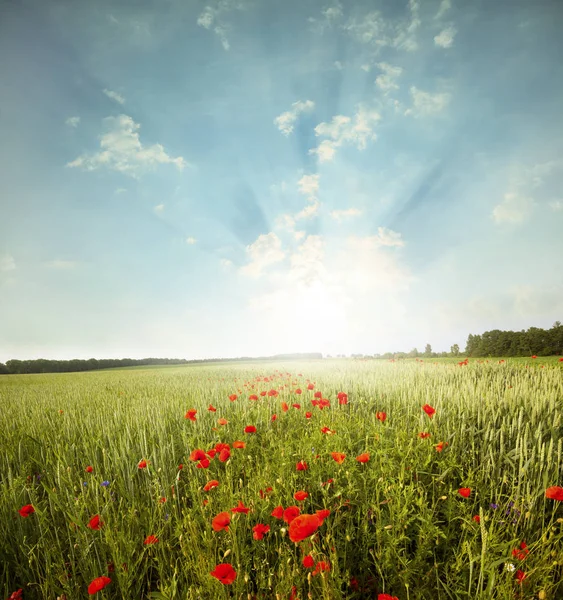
<point x="191" y="179"/>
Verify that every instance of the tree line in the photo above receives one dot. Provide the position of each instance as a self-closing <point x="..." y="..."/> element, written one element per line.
<point x="43" y="365"/>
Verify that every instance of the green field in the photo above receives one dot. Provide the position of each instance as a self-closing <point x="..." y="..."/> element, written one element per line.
<point x="397" y="525"/>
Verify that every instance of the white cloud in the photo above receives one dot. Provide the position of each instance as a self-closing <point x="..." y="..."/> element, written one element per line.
<point x="265" y="251"/>
<point x="405" y="38"/>
<point x="286" y="120"/>
<point x="120" y="191"/>
<point x="384" y="237"/>
<point x="340" y="215"/>
<point x="72" y="121"/>
<point x="556" y="205"/>
<point x="286" y="222"/>
<point x="226" y="263"/>
<point x="121" y="150"/>
<point x="309" y="185"/>
<point x="344" y="130"/>
<point x="427" y="104"/>
<point x="114" y="96"/>
<point x="366" y="68"/>
<point x="445" y="6"/>
<point x="215" y="18"/>
<point x="298" y="235"/>
<point x="159" y="208"/>
<point x="309" y="211"/>
<point x="191" y="241"/>
<point x="387" y="80"/>
<point x="62" y="265"/>
<point x="513" y="209"/>
<point x="445" y="39"/>
<point x="7" y="263"/>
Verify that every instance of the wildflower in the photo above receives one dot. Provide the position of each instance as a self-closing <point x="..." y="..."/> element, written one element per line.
<point x="273" y="393"/>
<point x="308" y="561"/>
<point x="221" y="521"/>
<point x="150" y="540"/>
<point x="222" y="421"/>
<point x="493" y="505"/>
<point x="210" y="485"/>
<point x="301" y="466"/>
<point x="239" y="445"/>
<point x="520" y="575"/>
<point x="338" y="457"/>
<point x="465" y="492"/>
<point x="554" y="492"/>
<point x="302" y="527"/>
<point x="510" y="567"/>
<point x="284" y="406"/>
<point x="310" y="387"/>
<point x="191" y="414"/>
<point x="263" y="393"/>
<point x="342" y="398"/>
<point x="162" y="500"/>
<point x="300" y="496"/>
<point x="211" y="408"/>
<point x="105" y="483"/>
<point x="477" y="518"/>
<point x="440" y="446"/>
<point x="321" y="566"/>
<point x="240" y="508"/>
<point x="277" y="513"/>
<point x="308" y="415"/>
<point x="17" y="595"/>
<point x="233" y="397"/>
<point x="211" y="453"/>
<point x="386" y="597"/>
<point x="291" y="513"/>
<point x="534" y="356"/>
<point x="521" y="552"/>
<point x="327" y="482"/>
<point x="429" y="410"/>
<point x="381" y="416"/>
<point x="274" y="418"/>
<point x="142" y="464"/>
<point x="89" y="469"/>
<point x="26" y="510"/>
<point x="250" y="429"/>
<point x="224" y="573"/>
<point x="363" y="458"/>
<point x="98" y="584"/>
<point x="203" y="464"/>
<point x="94" y="523"/>
<point x="224" y="455"/>
<point x="424" y="435"/>
<point x="260" y="530"/>
<point x="327" y="430"/>
<point x="298" y="391"/>
<point x="322" y="515"/>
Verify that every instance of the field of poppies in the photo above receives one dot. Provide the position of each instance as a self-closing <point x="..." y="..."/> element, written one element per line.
<point x="330" y="479"/>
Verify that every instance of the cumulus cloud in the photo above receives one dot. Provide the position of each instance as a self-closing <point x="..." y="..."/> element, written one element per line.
<point x="514" y="208"/>
<point x="286" y="120"/>
<point x="445" y="6"/>
<point x="309" y="185"/>
<point x="214" y="17"/>
<point x="121" y="150"/>
<point x="159" y="208"/>
<point x="384" y="237"/>
<point x="114" y="96"/>
<point x="445" y="39"/>
<point x="387" y="81"/>
<point x="426" y="104"/>
<point x="340" y="215"/>
<point x="343" y="130"/>
<point x="7" y="263"/>
<point x="191" y="241"/>
<point x="556" y="205"/>
<point x="72" y="121"/>
<point x="265" y="251"/>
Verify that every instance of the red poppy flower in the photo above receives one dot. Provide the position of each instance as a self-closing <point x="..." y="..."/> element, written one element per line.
<point x="212" y="408"/>
<point x="250" y="429"/>
<point x="423" y="436"/>
<point x="17" y="595"/>
<point x="429" y="410"/>
<point x="298" y="391"/>
<point x="381" y="416"/>
<point x="554" y="493"/>
<point x="253" y="397"/>
<point x="338" y="457"/>
<point x="224" y="573"/>
<point x="301" y="466"/>
<point x="477" y="518"/>
<point x="89" y="469"/>
<point x="239" y="444"/>
<point x="98" y="584"/>
<point x="317" y="395"/>
<point x="386" y="597"/>
<point x="260" y="530"/>
<point x="520" y="576"/>
<point x="180" y="467"/>
<point x="521" y="552"/>
<point x="363" y="458"/>
<point x="308" y="561"/>
<point x="310" y="387"/>
<point x="302" y="527"/>
<point x="296" y="406"/>
<point x="191" y="414"/>
<point x="342" y="398"/>
<point x="203" y="464"/>
<point x="277" y="513"/>
<point x="150" y="540"/>
<point x="197" y="454"/>
<point x="224" y="455"/>
<point x="534" y="356"/>
<point x="210" y="485"/>
<point x="561" y="359"/>
<point x="290" y="513"/>
<point x="273" y="393"/>
<point x="263" y="393"/>
<point x="327" y="430"/>
<point x="322" y="514"/>
<point x="240" y="508"/>
<point x="222" y="421"/>
<point x="323" y="403"/>
<point x="221" y="521"/>
<point x="465" y="492"/>
<point x="94" y="523"/>
<point x="142" y="464"/>
<point x="308" y="415"/>
<point x="233" y="397"/>
<point x="26" y="510"/>
<point x="321" y="566"/>
<point x="300" y="496"/>
<point x="211" y="453"/>
<point x="327" y="482"/>
<point x="440" y="446"/>
<point x="284" y="406"/>
<point x="163" y="499"/>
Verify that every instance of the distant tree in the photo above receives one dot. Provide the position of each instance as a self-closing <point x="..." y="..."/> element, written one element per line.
<point x="413" y="353"/>
<point x="454" y="350"/>
<point x="428" y="351"/>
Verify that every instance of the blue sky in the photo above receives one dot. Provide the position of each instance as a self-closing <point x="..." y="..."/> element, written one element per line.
<point x="238" y="177"/>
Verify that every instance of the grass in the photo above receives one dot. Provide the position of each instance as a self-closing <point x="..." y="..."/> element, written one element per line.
<point x="397" y="523"/>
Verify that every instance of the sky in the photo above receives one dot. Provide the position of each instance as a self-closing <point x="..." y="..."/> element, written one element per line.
<point x="244" y="178"/>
